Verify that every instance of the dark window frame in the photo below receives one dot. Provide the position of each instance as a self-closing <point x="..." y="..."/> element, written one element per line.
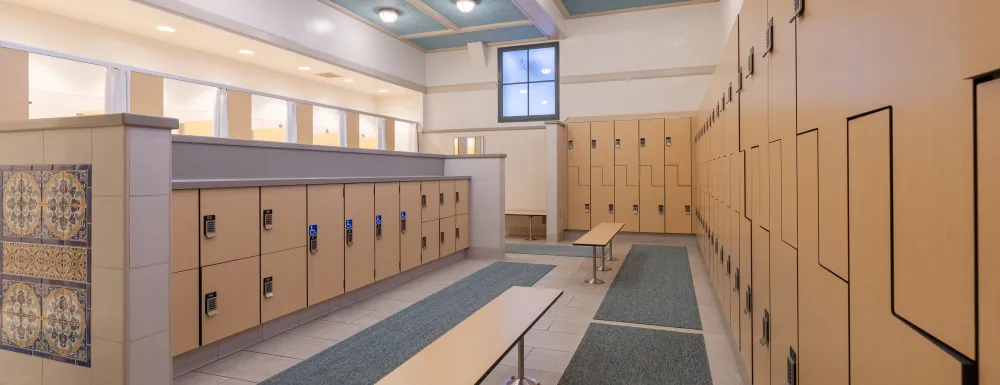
<point x="500" y="84"/>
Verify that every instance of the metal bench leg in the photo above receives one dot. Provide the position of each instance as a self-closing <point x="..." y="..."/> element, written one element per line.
<point x="520" y="379"/>
<point x="603" y="268"/>
<point x="530" y="224"/>
<point x="611" y="254"/>
<point x="595" y="280"/>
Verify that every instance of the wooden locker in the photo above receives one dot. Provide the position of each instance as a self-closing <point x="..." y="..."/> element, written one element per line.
<point x="602" y="147"/>
<point x="326" y="263"/>
<point x="784" y="307"/>
<point x="652" y="146"/>
<point x="748" y="324"/>
<point x="579" y="207"/>
<point x="236" y="213"/>
<point x="461" y="232"/>
<point x="409" y="235"/>
<point x="430" y="200"/>
<point x="288" y="279"/>
<point x="733" y="289"/>
<point x="760" y="300"/>
<point x="789" y="198"/>
<point x="752" y="183"/>
<point x="184" y="309"/>
<point x="14" y="99"/>
<point x="387" y="249"/>
<point x="578" y="148"/>
<point x="446" y="198"/>
<point x="238" y="107"/>
<point x="774" y="188"/>
<point x="678" y="153"/>
<point x="287" y="208"/>
<point x="184" y="221"/>
<point x="145" y="94"/>
<point x="430" y="241"/>
<point x="353" y="130"/>
<point x="446" y="236"/>
<point x="677" y="203"/>
<point x="602" y="197"/>
<point x="832" y="158"/>
<point x="461" y="196"/>
<point x="235" y="287"/>
<point x="627" y="151"/>
<point x="626" y="207"/>
<point x="359" y="250"/>
<point x="652" y="212"/>
<point x="724" y="254"/>
<point x="763" y="186"/>
<point x="988" y="96"/>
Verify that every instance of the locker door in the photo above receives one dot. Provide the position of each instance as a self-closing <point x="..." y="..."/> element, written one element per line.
<point x="430" y="241"/>
<point x="734" y="258"/>
<point x="184" y="230"/>
<point x="652" y="212"/>
<point x="602" y="197"/>
<point x="287" y="273"/>
<point x="429" y="200"/>
<point x="236" y="216"/>
<point x="602" y="146"/>
<point x="652" y="147"/>
<point x="988" y="97"/>
<point x="461" y="232"/>
<point x="236" y="289"/>
<point x="184" y="309"/>
<point x="578" y="207"/>
<point x="747" y="321"/>
<point x="326" y="262"/>
<point x="409" y="235"/>
<point x="461" y="196"/>
<point x="578" y="147"/>
<point x="446" y="236"/>
<point x="286" y="206"/>
<point x="626" y="200"/>
<point x="359" y="250"/>
<point x="446" y="198"/>
<point x="677" y="204"/>
<point x="678" y="153"/>
<point x="760" y="299"/>
<point x="386" y="230"/>
<point x="627" y="150"/>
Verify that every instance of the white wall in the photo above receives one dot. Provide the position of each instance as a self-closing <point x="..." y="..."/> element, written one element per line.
<point x="730" y="10"/>
<point x="59" y="87"/>
<point x="56" y="33"/>
<point x="349" y="42"/>
<point x="410" y="107"/>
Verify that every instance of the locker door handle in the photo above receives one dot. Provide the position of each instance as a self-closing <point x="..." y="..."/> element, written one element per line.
<point x="729" y="265"/>
<point x="618" y="143"/>
<point x="441" y="198"/>
<point x="642" y="142"/>
<point x="268" y="287"/>
<point x="736" y="287"/>
<point x="667" y="141"/>
<point x="586" y="208"/>
<point x="423" y="242"/>
<point x="570" y="145"/>
<point x="593" y="143"/>
<point x="442" y="237"/>
<point x="765" y="337"/>
<point x="749" y="301"/>
<point x="661" y="209"/>
<point x="457" y="234"/>
<point x="457" y="197"/>
<point x="635" y="209"/>
<point x="687" y="209"/>
<point x="349" y="237"/>
<point x="378" y="231"/>
<point x="611" y="208"/>
<point x="402" y="226"/>
<point x="423" y="200"/>
<point x="209" y="226"/>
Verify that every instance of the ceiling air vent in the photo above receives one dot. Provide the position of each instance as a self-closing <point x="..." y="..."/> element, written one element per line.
<point x="328" y="75"/>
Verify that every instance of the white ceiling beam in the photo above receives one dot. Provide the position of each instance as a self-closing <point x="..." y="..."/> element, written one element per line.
<point x="549" y="22"/>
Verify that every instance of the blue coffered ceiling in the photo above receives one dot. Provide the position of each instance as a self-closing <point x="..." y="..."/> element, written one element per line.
<point x="490" y="36"/>
<point x="486" y="12"/>
<point x="582" y="7"/>
<point x="411" y="20"/>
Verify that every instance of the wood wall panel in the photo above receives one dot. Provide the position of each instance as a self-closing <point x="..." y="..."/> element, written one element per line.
<point x="988" y="132"/>
<point x="14" y="100"/>
<point x="145" y="94"/>
<point x="238" y="107"/>
<point x="833" y="200"/>
<point x="353" y="130"/>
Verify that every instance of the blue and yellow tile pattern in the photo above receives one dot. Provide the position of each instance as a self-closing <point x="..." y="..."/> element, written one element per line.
<point x="45" y="256"/>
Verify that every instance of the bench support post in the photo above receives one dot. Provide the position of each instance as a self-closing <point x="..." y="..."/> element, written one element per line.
<point x="603" y="268"/>
<point x="611" y="251"/>
<point x="520" y="379"/>
<point x="595" y="280"/>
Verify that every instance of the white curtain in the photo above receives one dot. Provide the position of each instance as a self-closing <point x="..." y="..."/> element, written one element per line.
<point x="292" y="132"/>
<point x="221" y="121"/>
<point x="343" y="128"/>
<point x="381" y="133"/>
<point x="116" y="89"/>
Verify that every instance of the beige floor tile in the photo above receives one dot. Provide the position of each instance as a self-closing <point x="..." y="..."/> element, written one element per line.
<point x="346" y="315"/>
<point x="249" y="366"/>
<point x="528" y="258"/>
<point x="510" y="359"/>
<point x="284" y="344"/>
<point x="421" y="287"/>
<point x="238" y="382"/>
<point x="195" y="378"/>
<point x="403" y="295"/>
<point x="373" y="318"/>
<point x="543" y="323"/>
<point x="548" y="360"/>
<point x="580" y="313"/>
<point x="552" y="340"/>
<point x="567" y="325"/>
<point x="575" y="289"/>
<point x="381" y="305"/>
<point x="585" y="301"/>
<point x="311" y="348"/>
<point x="564" y="299"/>
<point x="327" y="330"/>
<point x="503" y="372"/>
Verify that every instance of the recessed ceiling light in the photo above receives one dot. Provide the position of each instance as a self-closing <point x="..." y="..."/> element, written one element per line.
<point x="304" y="68"/>
<point x="388" y="15"/>
<point x="524" y="91"/>
<point x="383" y="91"/>
<point x="348" y="80"/>
<point x="545" y="102"/>
<point x="465" y="5"/>
<point x="165" y="28"/>
<point x="246" y="52"/>
<point x="546" y="71"/>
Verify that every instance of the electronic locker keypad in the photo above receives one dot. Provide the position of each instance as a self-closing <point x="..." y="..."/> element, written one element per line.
<point x="209" y="226"/>
<point x="268" y="219"/>
<point x="211" y="304"/>
<point x="268" y="287"/>
<point x="313" y="232"/>
<point x="349" y="232"/>
<point x="402" y="222"/>
<point x="378" y="226"/>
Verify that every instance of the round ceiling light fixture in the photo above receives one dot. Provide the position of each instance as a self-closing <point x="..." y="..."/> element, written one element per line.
<point x="465" y="5"/>
<point x="165" y="28"/>
<point x="388" y="15"/>
<point x="546" y="71"/>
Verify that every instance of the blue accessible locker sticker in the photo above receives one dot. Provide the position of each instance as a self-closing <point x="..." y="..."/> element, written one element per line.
<point x="313" y="230"/>
<point x="402" y="215"/>
<point x="378" y="219"/>
<point x="349" y="224"/>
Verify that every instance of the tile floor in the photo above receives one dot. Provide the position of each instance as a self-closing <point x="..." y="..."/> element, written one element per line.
<point x="548" y="346"/>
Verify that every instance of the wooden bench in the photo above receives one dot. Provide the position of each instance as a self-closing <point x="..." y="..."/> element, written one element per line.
<point x="600" y="236"/>
<point x="468" y="352"/>
<point x="531" y="214"/>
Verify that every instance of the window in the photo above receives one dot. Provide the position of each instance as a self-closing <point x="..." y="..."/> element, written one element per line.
<point x="60" y="87"/>
<point x="529" y="83"/>
<point x="268" y="119"/>
<point x="192" y="104"/>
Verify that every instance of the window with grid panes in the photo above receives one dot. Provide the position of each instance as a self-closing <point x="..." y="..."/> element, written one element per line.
<point x="528" y="83"/>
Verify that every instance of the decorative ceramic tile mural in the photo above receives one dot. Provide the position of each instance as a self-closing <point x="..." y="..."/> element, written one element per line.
<point x="45" y="261"/>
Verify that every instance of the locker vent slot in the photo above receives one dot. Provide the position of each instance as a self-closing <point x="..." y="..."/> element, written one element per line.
<point x="268" y="219"/>
<point x="667" y="141"/>
<point x="570" y="145"/>
<point x="268" y="287"/>
<point x="211" y="304"/>
<point x="792" y="367"/>
<point x="765" y="337"/>
<point x="209" y="226"/>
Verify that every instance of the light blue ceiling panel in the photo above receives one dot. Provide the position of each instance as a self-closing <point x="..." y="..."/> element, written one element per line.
<point x="488" y="36"/>
<point x="486" y="12"/>
<point x="577" y="7"/>
<point x="411" y="19"/>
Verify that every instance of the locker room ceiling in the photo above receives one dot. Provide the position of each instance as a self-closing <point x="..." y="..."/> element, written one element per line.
<point x="572" y="9"/>
<point x="140" y="20"/>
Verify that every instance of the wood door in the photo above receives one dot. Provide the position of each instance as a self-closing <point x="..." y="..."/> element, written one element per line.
<point x="184" y="236"/>
<point x="447" y="236"/>
<point x="359" y="251"/>
<point x="652" y="212"/>
<point x="287" y="271"/>
<point x="626" y="208"/>
<point x="236" y="286"/>
<point x="409" y="236"/>
<point x="236" y="212"/>
<point x="184" y="309"/>
<point x="387" y="257"/>
<point x="461" y="196"/>
<point x="326" y="264"/>
<point x="429" y="200"/>
<point x="287" y="207"/>
<point x="430" y="241"/>
<point x="462" y="232"/>
<point x="446" y="198"/>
